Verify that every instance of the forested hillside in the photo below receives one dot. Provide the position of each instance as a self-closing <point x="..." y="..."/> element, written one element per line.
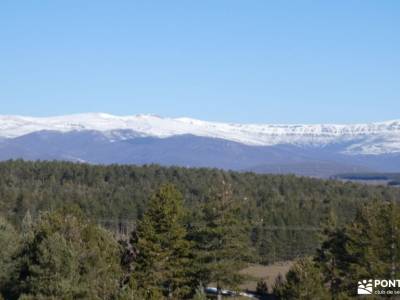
<point x="281" y="214"/>
<point x="77" y="231"/>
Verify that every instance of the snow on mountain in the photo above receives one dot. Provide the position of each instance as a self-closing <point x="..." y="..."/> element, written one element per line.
<point x="373" y="138"/>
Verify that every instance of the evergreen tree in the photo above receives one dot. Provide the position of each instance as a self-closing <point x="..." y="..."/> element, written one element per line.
<point x="332" y="257"/>
<point x="9" y="244"/>
<point x="303" y="282"/>
<point x="27" y="224"/>
<point x="374" y="243"/>
<point x="365" y="248"/>
<point x="161" y="267"/>
<point x="222" y="242"/>
<point x="67" y="258"/>
<point x="120" y="192"/>
<point x="334" y="261"/>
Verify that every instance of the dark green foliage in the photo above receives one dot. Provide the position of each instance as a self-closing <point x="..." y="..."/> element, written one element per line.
<point x="275" y="207"/>
<point x="334" y="261"/>
<point x="66" y="257"/>
<point x="9" y="245"/>
<point x="372" y="250"/>
<point x="231" y="218"/>
<point x="222" y="240"/>
<point x="303" y="282"/>
<point x="162" y="264"/>
<point x="367" y="247"/>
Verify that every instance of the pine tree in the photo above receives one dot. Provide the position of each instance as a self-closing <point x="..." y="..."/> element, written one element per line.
<point x="222" y="242"/>
<point x="303" y="282"/>
<point x="10" y="243"/>
<point x="374" y="243"/>
<point x="27" y="227"/>
<point x="67" y="257"/>
<point x="365" y="248"/>
<point x="333" y="258"/>
<point x="161" y="267"/>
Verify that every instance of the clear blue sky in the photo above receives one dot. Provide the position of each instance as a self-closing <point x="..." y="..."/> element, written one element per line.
<point x="240" y="61"/>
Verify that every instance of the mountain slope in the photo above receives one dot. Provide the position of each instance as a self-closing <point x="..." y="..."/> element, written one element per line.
<point x="374" y="138"/>
<point x="312" y="150"/>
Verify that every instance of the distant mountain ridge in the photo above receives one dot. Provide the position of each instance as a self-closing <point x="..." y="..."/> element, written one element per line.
<point x="372" y="138"/>
<point x="312" y="150"/>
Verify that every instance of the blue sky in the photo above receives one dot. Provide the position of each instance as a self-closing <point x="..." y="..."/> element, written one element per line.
<point x="237" y="61"/>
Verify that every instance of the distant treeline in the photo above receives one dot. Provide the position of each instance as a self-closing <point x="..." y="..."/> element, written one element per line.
<point x="281" y="214"/>
<point x="391" y="178"/>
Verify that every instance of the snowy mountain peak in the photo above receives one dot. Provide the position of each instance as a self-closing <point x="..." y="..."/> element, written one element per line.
<point x="372" y="138"/>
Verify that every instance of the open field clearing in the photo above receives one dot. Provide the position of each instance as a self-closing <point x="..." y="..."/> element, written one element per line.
<point x="268" y="273"/>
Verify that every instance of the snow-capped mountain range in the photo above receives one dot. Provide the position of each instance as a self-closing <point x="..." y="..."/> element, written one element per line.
<point x="316" y="150"/>
<point x="367" y="139"/>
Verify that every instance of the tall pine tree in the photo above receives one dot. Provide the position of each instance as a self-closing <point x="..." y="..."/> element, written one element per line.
<point x="375" y="242"/>
<point x="222" y="242"/>
<point x="365" y="248"/>
<point x="161" y="267"/>
<point x="332" y="257"/>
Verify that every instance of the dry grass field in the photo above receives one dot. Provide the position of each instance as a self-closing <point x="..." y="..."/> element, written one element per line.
<point x="267" y="273"/>
<point x="256" y="273"/>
